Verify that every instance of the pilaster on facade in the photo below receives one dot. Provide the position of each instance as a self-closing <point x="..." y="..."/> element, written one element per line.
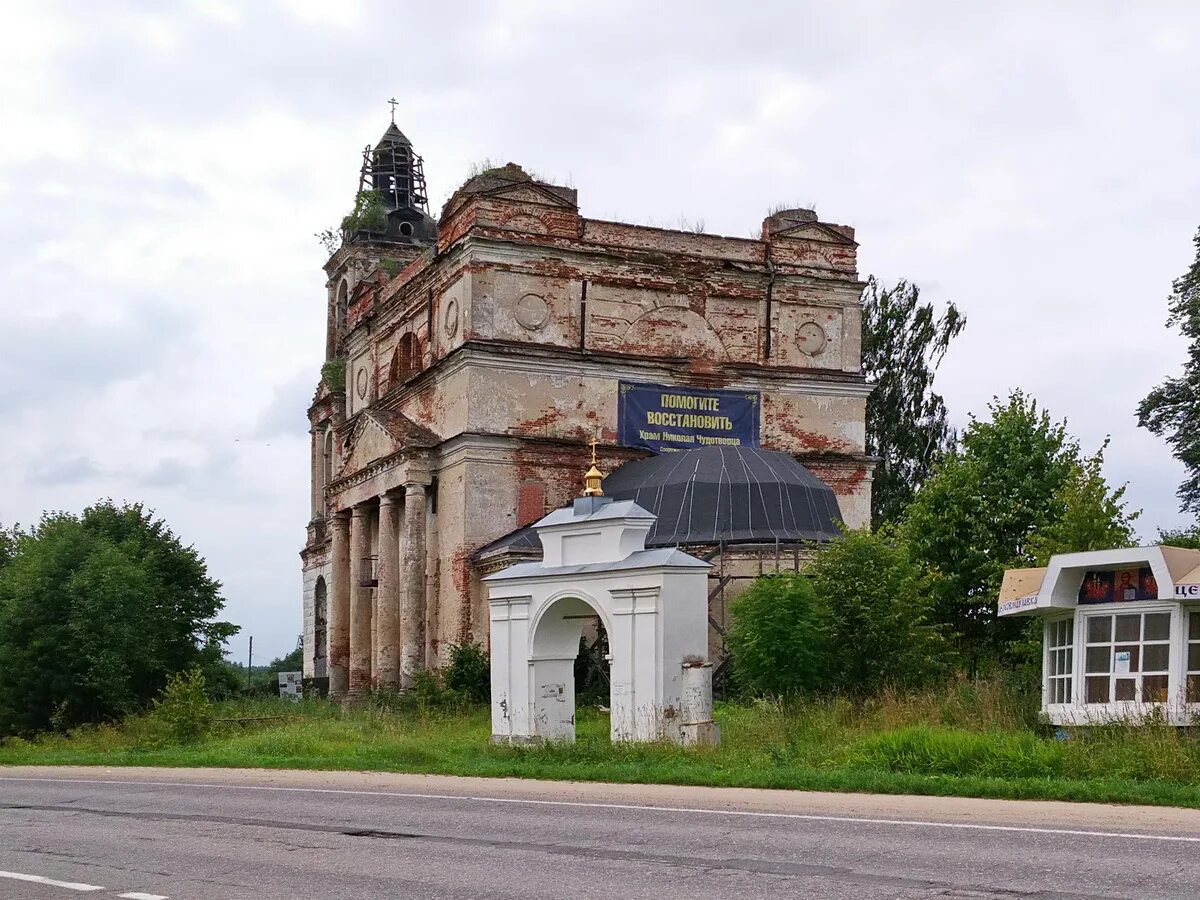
<point x="412" y="608"/>
<point x="387" y="594"/>
<point x="339" y="607"/>
<point x="361" y="643"/>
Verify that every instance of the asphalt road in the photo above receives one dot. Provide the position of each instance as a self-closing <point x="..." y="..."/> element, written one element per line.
<point x="145" y="834"/>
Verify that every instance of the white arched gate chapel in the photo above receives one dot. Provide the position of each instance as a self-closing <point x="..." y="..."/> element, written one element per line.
<point x="653" y="604"/>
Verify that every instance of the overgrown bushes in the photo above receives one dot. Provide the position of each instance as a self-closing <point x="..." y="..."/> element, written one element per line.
<point x="184" y="708"/>
<point x="879" y="632"/>
<point x="333" y="373"/>
<point x="469" y="672"/>
<point x="369" y="214"/>
<point x="780" y="636"/>
<point x="463" y="683"/>
<point x="854" y="621"/>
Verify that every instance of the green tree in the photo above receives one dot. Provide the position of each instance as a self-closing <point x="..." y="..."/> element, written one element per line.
<point x="779" y="637"/>
<point x="877" y="605"/>
<point x="224" y="679"/>
<point x="266" y="678"/>
<point x="96" y="611"/>
<point x="1016" y="475"/>
<point x="289" y="662"/>
<point x="1181" y="537"/>
<point x="1094" y="516"/>
<point x="1173" y="408"/>
<point x="8" y="545"/>
<point x="903" y="343"/>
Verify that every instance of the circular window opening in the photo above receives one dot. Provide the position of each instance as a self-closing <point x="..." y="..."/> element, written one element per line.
<point x="406" y="229"/>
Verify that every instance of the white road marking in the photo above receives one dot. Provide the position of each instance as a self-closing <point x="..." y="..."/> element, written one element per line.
<point x="42" y="879"/>
<point x="136" y="895"/>
<point x="520" y="801"/>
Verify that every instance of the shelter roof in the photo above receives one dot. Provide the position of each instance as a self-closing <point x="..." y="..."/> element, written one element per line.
<point x="1191" y="577"/>
<point x="1021" y="583"/>
<point x="1175" y="572"/>
<point x="1180" y="561"/>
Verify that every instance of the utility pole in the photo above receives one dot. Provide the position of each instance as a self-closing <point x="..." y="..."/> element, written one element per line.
<point x="249" y="662"/>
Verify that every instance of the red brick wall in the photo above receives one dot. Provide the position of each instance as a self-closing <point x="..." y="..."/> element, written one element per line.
<point x="531" y="502"/>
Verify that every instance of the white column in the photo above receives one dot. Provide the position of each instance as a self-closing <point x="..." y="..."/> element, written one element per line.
<point x="360" y="603"/>
<point x="387" y="596"/>
<point x="412" y="580"/>
<point x="636" y="691"/>
<point x="511" y="709"/>
<point x="338" y="661"/>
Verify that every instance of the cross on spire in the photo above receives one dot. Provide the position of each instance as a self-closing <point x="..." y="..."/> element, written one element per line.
<point x="593" y="476"/>
<point x="393" y="103"/>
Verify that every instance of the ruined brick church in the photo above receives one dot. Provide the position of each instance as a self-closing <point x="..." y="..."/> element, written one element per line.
<point x="474" y="359"/>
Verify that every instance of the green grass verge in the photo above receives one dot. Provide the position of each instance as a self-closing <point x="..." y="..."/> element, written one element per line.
<point x="963" y="741"/>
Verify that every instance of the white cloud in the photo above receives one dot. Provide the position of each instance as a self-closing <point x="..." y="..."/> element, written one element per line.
<point x="346" y="14"/>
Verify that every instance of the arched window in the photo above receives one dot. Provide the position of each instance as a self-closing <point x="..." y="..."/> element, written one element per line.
<point x="320" y="611"/>
<point x="406" y="360"/>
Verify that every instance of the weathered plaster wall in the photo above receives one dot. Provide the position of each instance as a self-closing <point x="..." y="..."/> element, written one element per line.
<point x="519" y="326"/>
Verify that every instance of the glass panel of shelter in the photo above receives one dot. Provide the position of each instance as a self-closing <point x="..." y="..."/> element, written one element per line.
<point x="1127" y="657"/>
<point x="1060" y="660"/>
<point x="1193" y="658"/>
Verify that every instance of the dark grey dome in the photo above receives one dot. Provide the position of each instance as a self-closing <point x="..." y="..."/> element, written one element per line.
<point x="728" y="494"/>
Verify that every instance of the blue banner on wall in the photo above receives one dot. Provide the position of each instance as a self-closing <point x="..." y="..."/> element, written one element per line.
<point x="661" y="417"/>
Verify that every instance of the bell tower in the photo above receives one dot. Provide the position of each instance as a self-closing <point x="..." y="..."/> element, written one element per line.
<point x="394" y="170"/>
<point x="388" y="227"/>
<point x="393" y="176"/>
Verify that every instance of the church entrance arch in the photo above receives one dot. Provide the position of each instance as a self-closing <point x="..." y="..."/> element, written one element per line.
<point x="553" y="653"/>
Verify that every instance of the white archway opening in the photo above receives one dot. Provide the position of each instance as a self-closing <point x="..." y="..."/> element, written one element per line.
<point x="554" y="653"/>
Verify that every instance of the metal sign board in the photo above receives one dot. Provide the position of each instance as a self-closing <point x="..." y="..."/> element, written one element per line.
<point x="664" y="418"/>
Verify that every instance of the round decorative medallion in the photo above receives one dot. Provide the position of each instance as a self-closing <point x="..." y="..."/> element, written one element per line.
<point x="361" y="383"/>
<point x="450" y="320"/>
<point x="532" y="312"/>
<point x="811" y="338"/>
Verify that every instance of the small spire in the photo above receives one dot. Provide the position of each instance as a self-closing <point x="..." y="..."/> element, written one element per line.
<point x="593" y="476"/>
<point x="393" y="103"/>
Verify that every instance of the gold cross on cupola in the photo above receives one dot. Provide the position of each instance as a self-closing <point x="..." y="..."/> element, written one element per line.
<point x="593" y="476"/>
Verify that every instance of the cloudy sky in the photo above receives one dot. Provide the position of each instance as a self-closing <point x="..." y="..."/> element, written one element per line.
<point x="163" y="168"/>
